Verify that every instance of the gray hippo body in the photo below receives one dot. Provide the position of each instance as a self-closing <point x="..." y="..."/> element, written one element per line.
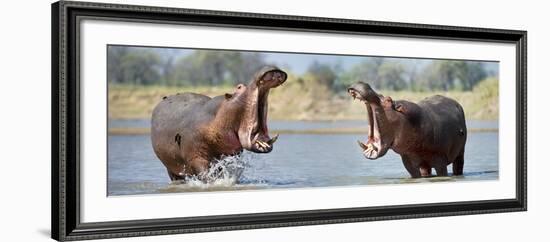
<point x="429" y="134"/>
<point x="189" y="131"/>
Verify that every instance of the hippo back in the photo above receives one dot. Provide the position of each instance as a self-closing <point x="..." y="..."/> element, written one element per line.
<point x="443" y="110"/>
<point x="446" y="122"/>
<point x="172" y="120"/>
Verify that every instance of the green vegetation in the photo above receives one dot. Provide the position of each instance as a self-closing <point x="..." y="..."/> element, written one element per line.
<point x="301" y="99"/>
<point x="153" y="66"/>
<point x="173" y="67"/>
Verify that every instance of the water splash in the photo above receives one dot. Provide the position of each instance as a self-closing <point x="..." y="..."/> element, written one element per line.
<point x="223" y="174"/>
<point x="227" y="168"/>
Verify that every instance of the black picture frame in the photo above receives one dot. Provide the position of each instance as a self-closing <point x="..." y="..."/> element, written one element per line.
<point x="65" y="222"/>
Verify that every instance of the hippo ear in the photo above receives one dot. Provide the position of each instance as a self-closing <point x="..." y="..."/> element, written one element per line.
<point x="228" y="96"/>
<point x="409" y="110"/>
<point x="399" y="108"/>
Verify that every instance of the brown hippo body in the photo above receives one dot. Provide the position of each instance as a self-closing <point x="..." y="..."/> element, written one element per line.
<point x="428" y="134"/>
<point x="189" y="131"/>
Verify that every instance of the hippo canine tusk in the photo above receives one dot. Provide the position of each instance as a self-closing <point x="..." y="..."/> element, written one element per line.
<point x="362" y="145"/>
<point x="272" y="140"/>
<point x="367" y="147"/>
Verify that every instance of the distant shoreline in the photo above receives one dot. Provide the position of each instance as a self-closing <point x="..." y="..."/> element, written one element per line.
<point x="301" y="100"/>
<point x="325" y="131"/>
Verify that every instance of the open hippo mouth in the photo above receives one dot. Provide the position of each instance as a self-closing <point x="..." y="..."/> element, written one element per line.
<point x="374" y="146"/>
<point x="255" y="134"/>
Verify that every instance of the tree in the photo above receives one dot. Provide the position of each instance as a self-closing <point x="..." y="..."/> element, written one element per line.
<point x="114" y="56"/>
<point x="324" y="74"/>
<point x="140" y="67"/>
<point x="206" y="67"/>
<point x="380" y="73"/>
<point x="366" y="71"/>
<point x="130" y="65"/>
<point x="167" y="71"/>
<point x="391" y="76"/>
<point x="453" y="75"/>
<point x="243" y="65"/>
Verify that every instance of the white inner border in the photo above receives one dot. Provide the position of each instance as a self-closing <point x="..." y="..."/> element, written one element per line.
<point x="97" y="207"/>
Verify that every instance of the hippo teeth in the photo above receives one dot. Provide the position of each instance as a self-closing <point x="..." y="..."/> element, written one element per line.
<point x="355" y="95"/>
<point x="362" y="145"/>
<point x="367" y="146"/>
<point x="262" y="144"/>
<point x="266" y="144"/>
<point x="370" y="150"/>
<point x="372" y="147"/>
<point x="272" y="140"/>
<point x="370" y="153"/>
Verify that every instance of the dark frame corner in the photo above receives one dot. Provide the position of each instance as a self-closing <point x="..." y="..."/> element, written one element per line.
<point x="65" y="221"/>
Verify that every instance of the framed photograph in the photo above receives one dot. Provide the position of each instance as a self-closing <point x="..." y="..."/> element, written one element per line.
<point x="168" y="120"/>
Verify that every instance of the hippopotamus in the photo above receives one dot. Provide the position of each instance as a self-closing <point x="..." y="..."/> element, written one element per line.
<point x="428" y="134"/>
<point x="190" y="131"/>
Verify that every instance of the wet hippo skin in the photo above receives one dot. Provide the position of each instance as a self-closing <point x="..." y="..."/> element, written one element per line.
<point x="428" y="134"/>
<point x="189" y="131"/>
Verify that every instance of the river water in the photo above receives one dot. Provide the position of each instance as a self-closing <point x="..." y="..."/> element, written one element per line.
<point x="298" y="160"/>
